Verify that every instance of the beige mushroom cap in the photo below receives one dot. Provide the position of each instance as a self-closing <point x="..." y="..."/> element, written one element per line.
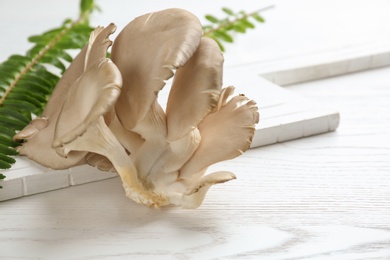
<point x="195" y="89"/>
<point x="39" y="134"/>
<point x="93" y="95"/>
<point x="146" y="52"/>
<point x="226" y="133"/>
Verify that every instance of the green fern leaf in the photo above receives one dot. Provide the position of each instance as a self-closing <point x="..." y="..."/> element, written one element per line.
<point x="239" y="22"/>
<point x="228" y="11"/>
<point x="26" y="82"/>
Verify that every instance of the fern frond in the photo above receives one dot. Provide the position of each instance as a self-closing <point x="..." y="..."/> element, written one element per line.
<point x="26" y="82"/>
<point x="239" y="22"/>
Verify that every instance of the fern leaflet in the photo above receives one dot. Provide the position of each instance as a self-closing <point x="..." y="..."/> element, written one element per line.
<point x="238" y="22"/>
<point x="26" y="82"/>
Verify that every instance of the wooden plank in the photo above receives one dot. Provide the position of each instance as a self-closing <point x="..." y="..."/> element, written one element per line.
<point x="328" y="63"/>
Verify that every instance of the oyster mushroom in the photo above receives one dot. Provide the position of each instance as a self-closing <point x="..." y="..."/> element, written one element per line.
<point x="174" y="140"/>
<point x="110" y="116"/>
<point x="39" y="134"/>
<point x="147" y="51"/>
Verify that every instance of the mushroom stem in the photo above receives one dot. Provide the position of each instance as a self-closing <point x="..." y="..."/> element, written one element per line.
<point x="99" y="139"/>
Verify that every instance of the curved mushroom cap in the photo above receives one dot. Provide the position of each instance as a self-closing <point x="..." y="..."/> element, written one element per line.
<point x="195" y="194"/>
<point x="91" y="53"/>
<point x="194" y="93"/>
<point x="226" y="133"/>
<point x="146" y="52"/>
<point x="37" y="146"/>
<point x="195" y="89"/>
<point x="98" y="44"/>
<point x="39" y="134"/>
<point x="91" y="96"/>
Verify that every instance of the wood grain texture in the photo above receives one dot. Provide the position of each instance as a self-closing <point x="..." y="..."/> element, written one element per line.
<point x="322" y="197"/>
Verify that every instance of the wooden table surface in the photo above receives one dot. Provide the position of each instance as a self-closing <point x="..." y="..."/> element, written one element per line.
<point x="322" y="197"/>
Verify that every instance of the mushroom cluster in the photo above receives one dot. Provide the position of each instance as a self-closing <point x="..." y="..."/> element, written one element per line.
<point x="104" y="112"/>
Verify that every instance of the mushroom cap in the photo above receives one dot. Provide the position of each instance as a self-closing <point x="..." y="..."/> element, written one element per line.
<point x="195" y="90"/>
<point x="226" y="133"/>
<point x="39" y="134"/>
<point x="194" y="93"/>
<point x="195" y="194"/>
<point x="38" y="147"/>
<point x="91" y="53"/>
<point x="146" y="52"/>
<point x="91" y="96"/>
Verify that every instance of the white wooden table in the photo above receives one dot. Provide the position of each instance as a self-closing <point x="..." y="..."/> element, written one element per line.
<point x="322" y="197"/>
